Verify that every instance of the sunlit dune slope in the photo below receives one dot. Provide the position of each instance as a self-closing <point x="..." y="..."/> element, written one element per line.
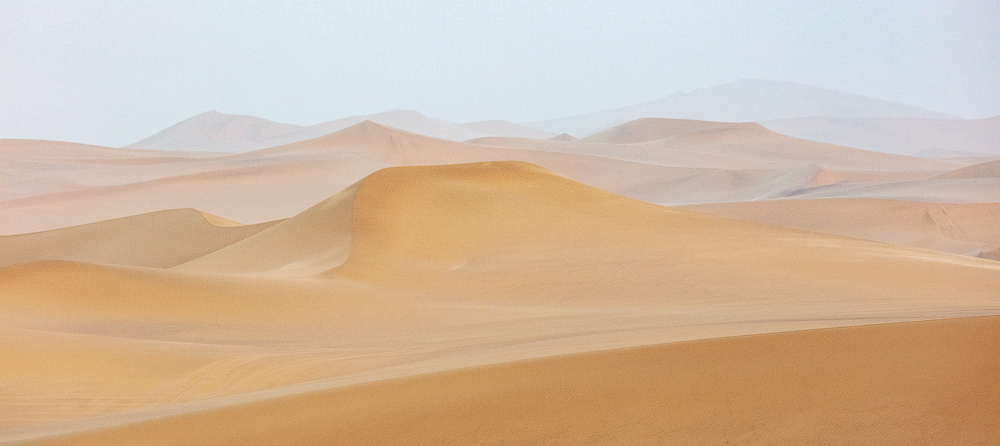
<point x="895" y="384"/>
<point x="968" y="229"/>
<point x="159" y="239"/>
<point x="506" y="228"/>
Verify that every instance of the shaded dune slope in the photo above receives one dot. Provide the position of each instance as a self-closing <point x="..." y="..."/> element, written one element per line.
<point x="159" y="239"/>
<point x="313" y="241"/>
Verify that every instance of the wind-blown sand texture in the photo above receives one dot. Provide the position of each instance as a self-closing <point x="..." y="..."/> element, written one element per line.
<point x="372" y="285"/>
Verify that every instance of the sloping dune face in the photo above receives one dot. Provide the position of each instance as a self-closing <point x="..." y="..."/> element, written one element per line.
<point x="430" y="269"/>
<point x="896" y="384"/>
<point x="509" y="227"/>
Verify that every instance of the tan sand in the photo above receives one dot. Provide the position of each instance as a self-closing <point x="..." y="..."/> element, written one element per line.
<point x="505" y="128"/>
<point x="989" y="169"/>
<point x="745" y="162"/>
<point x="897" y="384"/>
<point x="969" y="229"/>
<point x="181" y="235"/>
<point x="910" y="136"/>
<point x="446" y="267"/>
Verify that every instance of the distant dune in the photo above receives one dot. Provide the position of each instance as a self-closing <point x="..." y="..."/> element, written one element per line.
<point x="505" y="128"/>
<point x="970" y="229"/>
<point x="740" y="101"/>
<point x="907" y="136"/>
<point x="989" y="169"/>
<point x="729" y="162"/>
<point x="220" y="132"/>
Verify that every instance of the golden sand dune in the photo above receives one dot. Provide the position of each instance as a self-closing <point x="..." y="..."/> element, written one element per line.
<point x="465" y="221"/>
<point x="159" y="239"/>
<point x="444" y="267"/>
<point x="895" y="384"/>
<point x="970" y="229"/>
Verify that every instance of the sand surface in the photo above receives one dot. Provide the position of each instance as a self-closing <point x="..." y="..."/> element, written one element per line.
<point x="372" y="285"/>
<point x="420" y="270"/>
<point x="970" y="229"/>
<point x="896" y="384"/>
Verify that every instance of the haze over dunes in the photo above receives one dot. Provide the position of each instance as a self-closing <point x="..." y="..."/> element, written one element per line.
<point x="400" y="279"/>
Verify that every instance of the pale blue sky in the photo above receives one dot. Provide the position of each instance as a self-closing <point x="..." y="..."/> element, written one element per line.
<point x="113" y="72"/>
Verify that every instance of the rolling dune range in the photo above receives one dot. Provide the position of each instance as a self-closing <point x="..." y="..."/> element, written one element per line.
<point x="376" y="286"/>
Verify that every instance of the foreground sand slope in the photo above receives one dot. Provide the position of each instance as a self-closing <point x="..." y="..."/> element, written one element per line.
<point x="898" y="384"/>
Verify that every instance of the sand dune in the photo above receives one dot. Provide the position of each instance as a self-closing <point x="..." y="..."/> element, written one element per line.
<point x="733" y="162"/>
<point x="970" y="229"/>
<point x="13" y="150"/>
<point x="651" y="129"/>
<point x="314" y="241"/>
<point x="908" y="136"/>
<point x="564" y="137"/>
<point x="753" y="140"/>
<point x="444" y="267"/>
<point x="740" y="101"/>
<point x="932" y="190"/>
<point x="213" y="131"/>
<point x="505" y="128"/>
<point x="253" y="193"/>
<point x="675" y="142"/>
<point x="177" y="236"/>
<point x="989" y="169"/>
<point x="221" y="132"/>
<point x="886" y="384"/>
